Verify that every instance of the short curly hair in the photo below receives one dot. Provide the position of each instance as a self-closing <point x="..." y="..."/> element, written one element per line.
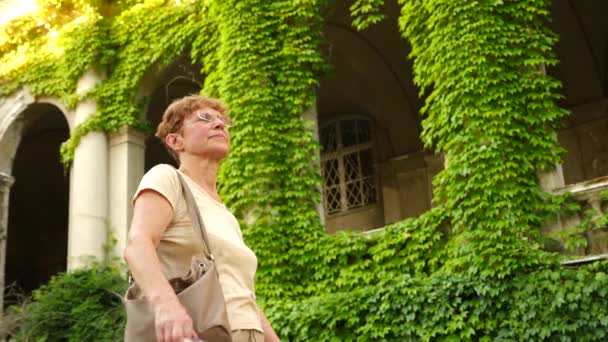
<point x="181" y="109"/>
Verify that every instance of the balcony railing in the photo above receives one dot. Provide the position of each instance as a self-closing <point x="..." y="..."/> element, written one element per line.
<point x="589" y="194"/>
<point x="594" y="205"/>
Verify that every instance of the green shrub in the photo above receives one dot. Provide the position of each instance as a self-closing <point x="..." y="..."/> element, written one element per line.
<point x="83" y="305"/>
<point x="551" y="304"/>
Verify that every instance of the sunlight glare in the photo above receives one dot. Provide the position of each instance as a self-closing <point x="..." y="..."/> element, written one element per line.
<point x="11" y="9"/>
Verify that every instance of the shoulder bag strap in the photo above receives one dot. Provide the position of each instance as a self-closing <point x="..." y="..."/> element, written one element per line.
<point x="195" y="216"/>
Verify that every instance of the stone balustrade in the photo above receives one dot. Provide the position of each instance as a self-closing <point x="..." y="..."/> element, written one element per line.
<point x="588" y="194"/>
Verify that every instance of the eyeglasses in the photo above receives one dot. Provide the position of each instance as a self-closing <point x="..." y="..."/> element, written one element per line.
<point x="204" y="116"/>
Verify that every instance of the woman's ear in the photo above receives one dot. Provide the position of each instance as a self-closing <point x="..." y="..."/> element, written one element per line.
<point x="175" y="141"/>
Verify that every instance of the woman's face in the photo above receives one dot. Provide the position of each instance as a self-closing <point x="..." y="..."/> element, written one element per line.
<point x="205" y="133"/>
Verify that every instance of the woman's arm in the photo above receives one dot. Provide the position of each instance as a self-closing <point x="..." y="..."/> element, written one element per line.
<point x="269" y="334"/>
<point x="152" y="214"/>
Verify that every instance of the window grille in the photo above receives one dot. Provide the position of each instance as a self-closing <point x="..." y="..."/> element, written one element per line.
<point x="347" y="165"/>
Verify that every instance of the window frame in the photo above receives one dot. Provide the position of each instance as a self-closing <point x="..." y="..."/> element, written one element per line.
<point x="339" y="154"/>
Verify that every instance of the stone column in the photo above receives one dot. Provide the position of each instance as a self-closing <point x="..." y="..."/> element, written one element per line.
<point x="391" y="192"/>
<point x="126" y="169"/>
<point x="5" y="185"/>
<point x="552" y="180"/>
<point x="435" y="163"/>
<point x="88" y="186"/>
<point x="311" y="115"/>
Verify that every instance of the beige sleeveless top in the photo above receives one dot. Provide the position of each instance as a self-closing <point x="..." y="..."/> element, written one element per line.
<point x="236" y="263"/>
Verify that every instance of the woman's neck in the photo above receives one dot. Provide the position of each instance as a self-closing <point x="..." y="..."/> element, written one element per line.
<point x="203" y="172"/>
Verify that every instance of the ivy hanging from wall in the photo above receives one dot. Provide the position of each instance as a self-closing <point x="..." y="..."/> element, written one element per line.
<point x="472" y="268"/>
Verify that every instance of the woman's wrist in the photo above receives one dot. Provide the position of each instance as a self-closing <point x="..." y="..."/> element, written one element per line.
<point x="160" y="301"/>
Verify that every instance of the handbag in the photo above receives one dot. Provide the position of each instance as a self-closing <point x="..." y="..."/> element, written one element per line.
<point x="200" y="292"/>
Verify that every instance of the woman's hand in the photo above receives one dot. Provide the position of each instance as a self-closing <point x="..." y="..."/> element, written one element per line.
<point x="269" y="334"/>
<point x="172" y="322"/>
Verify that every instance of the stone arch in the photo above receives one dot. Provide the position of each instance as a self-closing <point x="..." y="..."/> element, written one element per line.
<point x="363" y="81"/>
<point x="179" y="79"/>
<point x="582" y="51"/>
<point x="132" y="153"/>
<point x="371" y="76"/>
<point x="35" y="210"/>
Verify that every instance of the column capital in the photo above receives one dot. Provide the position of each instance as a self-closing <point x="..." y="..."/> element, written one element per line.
<point x="552" y="180"/>
<point x="435" y="162"/>
<point x="127" y="134"/>
<point x="6" y="181"/>
<point x="89" y="80"/>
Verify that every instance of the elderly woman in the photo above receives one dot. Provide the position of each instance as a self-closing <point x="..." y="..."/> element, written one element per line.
<point x="161" y="240"/>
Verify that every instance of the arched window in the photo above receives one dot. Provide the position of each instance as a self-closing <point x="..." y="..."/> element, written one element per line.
<point x="347" y="165"/>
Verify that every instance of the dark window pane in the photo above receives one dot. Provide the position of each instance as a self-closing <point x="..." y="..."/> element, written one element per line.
<point x="332" y="200"/>
<point x="369" y="191"/>
<point x="348" y="130"/>
<point x="363" y="131"/>
<point x="330" y="172"/>
<point x="367" y="162"/>
<point x="329" y="140"/>
<point x="352" y="166"/>
<point x="353" y="194"/>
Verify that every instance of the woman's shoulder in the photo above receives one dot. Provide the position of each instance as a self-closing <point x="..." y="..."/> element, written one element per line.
<point x="161" y="169"/>
<point x="161" y="172"/>
<point x="161" y="175"/>
<point x="163" y="179"/>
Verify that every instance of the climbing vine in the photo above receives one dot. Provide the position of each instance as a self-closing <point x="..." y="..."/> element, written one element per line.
<point x="49" y="49"/>
<point x="492" y="111"/>
<point x="472" y="268"/>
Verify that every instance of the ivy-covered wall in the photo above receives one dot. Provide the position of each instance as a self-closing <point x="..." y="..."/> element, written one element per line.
<point x="472" y="268"/>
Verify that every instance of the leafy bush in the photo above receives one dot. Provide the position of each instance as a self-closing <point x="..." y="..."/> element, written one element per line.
<point x="83" y="305"/>
<point x="549" y="304"/>
<point x="399" y="285"/>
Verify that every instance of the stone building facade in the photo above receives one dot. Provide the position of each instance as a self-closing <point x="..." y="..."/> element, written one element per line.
<point x="375" y="168"/>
